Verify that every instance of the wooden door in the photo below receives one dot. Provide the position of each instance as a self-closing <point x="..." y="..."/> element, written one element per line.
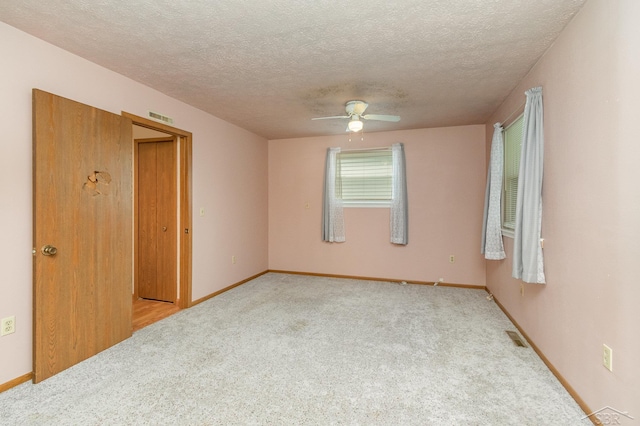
<point x="82" y="206"/>
<point x="157" y="219"/>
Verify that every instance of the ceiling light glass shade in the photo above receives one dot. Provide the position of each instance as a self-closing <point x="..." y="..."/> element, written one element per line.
<point x="355" y="125"/>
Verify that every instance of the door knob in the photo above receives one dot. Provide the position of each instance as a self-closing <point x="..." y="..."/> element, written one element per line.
<point x="49" y="250"/>
<point x="164" y="229"/>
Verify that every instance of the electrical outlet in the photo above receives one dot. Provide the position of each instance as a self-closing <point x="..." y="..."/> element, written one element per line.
<point x="607" y="357"/>
<point x="452" y="258"/>
<point x="201" y="211"/>
<point x="8" y="325"/>
<point x="233" y="260"/>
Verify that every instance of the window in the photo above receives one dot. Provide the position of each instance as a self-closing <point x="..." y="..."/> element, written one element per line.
<point x="512" y="144"/>
<point x="364" y="178"/>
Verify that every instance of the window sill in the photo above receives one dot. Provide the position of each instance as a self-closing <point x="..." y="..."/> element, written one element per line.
<point x="366" y="204"/>
<point x="508" y="233"/>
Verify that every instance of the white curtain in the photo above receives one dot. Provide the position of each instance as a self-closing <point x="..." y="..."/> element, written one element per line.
<point x="492" y="247"/>
<point x="332" y="211"/>
<point x="528" y="263"/>
<point x="399" y="210"/>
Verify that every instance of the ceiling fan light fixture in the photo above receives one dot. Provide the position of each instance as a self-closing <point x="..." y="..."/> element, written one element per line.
<point x="355" y="125"/>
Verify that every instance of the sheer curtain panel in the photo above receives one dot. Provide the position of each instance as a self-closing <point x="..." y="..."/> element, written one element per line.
<point x="332" y="211"/>
<point x="399" y="205"/>
<point x="528" y="263"/>
<point x="492" y="247"/>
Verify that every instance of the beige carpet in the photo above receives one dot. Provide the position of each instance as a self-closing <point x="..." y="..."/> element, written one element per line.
<point x="293" y="350"/>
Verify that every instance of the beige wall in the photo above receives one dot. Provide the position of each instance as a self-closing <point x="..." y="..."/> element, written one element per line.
<point x="591" y="216"/>
<point x="445" y="179"/>
<point x="229" y="178"/>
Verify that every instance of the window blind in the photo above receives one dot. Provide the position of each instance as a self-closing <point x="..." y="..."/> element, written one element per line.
<point x="512" y="144"/>
<point x="364" y="175"/>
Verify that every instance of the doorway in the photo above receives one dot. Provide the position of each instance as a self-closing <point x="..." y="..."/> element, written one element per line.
<point x="161" y="220"/>
<point x="156" y="224"/>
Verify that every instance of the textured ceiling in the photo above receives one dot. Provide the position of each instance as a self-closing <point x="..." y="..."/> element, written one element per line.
<point x="269" y="66"/>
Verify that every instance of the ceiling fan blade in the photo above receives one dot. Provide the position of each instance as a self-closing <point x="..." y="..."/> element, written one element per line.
<point x="328" y="118"/>
<point x="381" y="117"/>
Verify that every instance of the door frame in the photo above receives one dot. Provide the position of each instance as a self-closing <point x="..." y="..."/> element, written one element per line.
<point x="184" y="201"/>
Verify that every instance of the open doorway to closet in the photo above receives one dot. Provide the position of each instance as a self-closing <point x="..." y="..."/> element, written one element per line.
<point x="161" y="222"/>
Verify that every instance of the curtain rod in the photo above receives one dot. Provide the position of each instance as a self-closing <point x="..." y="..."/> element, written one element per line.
<point x="511" y="115"/>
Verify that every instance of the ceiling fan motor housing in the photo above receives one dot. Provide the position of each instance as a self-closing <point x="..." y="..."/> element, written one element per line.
<point x="356" y="107"/>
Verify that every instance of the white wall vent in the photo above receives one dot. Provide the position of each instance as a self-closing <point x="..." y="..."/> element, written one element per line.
<point x="160" y="117"/>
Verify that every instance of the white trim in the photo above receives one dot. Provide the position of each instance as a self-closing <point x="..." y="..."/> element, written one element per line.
<point x="380" y="148"/>
<point x="508" y="233"/>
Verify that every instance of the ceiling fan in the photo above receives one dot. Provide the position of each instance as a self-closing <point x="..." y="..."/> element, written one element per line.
<point x="355" y="113"/>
